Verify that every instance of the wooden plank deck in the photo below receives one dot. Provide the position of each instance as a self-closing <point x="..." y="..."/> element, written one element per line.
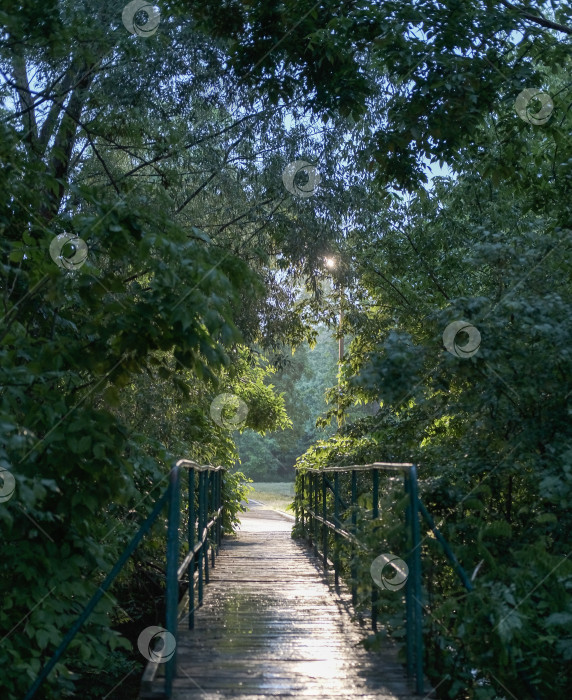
<point x="271" y="627"/>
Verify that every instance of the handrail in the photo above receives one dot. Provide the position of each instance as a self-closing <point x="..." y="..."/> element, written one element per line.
<point x="307" y="505"/>
<point x="414" y="508"/>
<point x="197" y="558"/>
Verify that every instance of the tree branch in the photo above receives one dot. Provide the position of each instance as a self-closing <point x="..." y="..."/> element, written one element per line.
<point x="22" y="86"/>
<point x="51" y="120"/>
<point x="197" y="191"/>
<point x="536" y="19"/>
<point x="65" y="140"/>
<point x="425" y="265"/>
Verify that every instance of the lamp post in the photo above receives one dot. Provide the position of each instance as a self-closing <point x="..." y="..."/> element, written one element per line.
<point x="331" y="263"/>
<point x="341" y="340"/>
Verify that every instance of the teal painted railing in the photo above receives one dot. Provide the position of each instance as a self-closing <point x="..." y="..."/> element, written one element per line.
<point x="205" y="510"/>
<point x="316" y="520"/>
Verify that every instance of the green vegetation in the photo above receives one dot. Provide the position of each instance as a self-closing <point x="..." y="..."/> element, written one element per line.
<point x="490" y="433"/>
<point x="278" y="495"/>
<point x="199" y="272"/>
<point x="302" y="381"/>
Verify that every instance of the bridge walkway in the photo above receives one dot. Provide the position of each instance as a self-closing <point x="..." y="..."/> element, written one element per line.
<point x="272" y="627"/>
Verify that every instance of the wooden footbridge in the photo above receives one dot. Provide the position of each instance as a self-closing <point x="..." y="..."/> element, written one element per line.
<point x="273" y="621"/>
<point x="271" y="626"/>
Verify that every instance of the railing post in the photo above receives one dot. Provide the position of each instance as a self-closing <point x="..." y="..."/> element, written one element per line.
<point x="324" y="526"/>
<point x="374" y="517"/>
<point x="218" y="507"/>
<point x="409" y="585"/>
<point x="336" y="534"/>
<point x="354" y="533"/>
<point x="172" y="592"/>
<point x="199" y="535"/>
<point x="303" y="483"/>
<point x="316" y="525"/>
<point x="212" y="502"/>
<point x="191" y="539"/>
<point x="310" y="502"/>
<point x="204" y="533"/>
<point x="221" y="527"/>
<point x="416" y="576"/>
<point x="296" y="499"/>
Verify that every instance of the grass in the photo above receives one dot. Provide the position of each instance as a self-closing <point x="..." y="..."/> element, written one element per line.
<point x="274" y="495"/>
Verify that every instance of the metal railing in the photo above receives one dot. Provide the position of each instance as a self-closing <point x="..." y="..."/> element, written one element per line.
<point x="312" y="514"/>
<point x="205" y="511"/>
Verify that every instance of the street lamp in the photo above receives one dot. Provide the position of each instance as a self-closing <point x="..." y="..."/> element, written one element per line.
<point x="331" y="264"/>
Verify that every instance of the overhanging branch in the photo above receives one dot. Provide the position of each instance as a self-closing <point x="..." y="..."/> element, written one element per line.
<point x="542" y="21"/>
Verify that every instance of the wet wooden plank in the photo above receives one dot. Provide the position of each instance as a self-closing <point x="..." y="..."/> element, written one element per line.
<point x="271" y="627"/>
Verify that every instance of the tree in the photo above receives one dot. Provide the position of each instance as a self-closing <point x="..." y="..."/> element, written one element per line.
<point x="489" y="429"/>
<point x="302" y="380"/>
<point x="158" y="305"/>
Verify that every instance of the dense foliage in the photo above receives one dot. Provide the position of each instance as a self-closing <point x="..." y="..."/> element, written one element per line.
<point x="302" y="379"/>
<point x="110" y="366"/>
<point x="192" y="271"/>
<point x="490" y="432"/>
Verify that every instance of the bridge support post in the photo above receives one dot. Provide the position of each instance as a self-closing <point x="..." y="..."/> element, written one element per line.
<point x="220" y="507"/>
<point x="374" y="516"/>
<point x="199" y="536"/>
<point x="315" y="510"/>
<point x="336" y="534"/>
<point x="212" y="502"/>
<point x="417" y="603"/>
<point x="354" y="533"/>
<point x="191" y="541"/>
<point x="172" y="592"/>
<point x="302" y="496"/>
<point x="414" y="606"/>
<point x="324" y="526"/>
<point x="204" y="533"/>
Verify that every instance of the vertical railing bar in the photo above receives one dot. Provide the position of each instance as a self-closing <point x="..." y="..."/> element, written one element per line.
<point x="303" y="496"/>
<point x="212" y="502"/>
<point x="336" y="534"/>
<point x="172" y="589"/>
<point x="316" y="524"/>
<point x="354" y="532"/>
<point x="416" y="560"/>
<point x="374" y="517"/>
<point x="310" y="525"/>
<point x="409" y="584"/>
<point x="297" y="500"/>
<point x="199" y="535"/>
<point x="221" y="505"/>
<point x="191" y="538"/>
<point x="325" y="517"/>
<point x="205" y="534"/>
<point x="218" y="506"/>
